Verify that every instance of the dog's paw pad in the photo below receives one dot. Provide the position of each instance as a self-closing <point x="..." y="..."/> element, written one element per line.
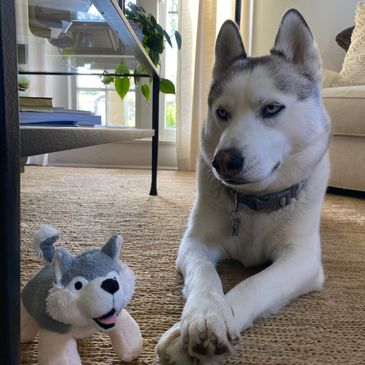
<point x="221" y="349"/>
<point x="200" y="349"/>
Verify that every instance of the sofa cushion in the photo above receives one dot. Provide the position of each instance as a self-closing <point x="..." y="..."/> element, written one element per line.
<point x="353" y="68"/>
<point x="347" y="166"/>
<point x="346" y="107"/>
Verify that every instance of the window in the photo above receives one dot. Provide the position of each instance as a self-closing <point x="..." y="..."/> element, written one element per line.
<point x="133" y="111"/>
<point x="93" y="95"/>
<point x="170" y="68"/>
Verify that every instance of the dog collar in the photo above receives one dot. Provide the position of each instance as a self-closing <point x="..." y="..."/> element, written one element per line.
<point x="269" y="202"/>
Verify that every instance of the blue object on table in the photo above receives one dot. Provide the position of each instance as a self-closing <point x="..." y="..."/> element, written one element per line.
<point x="65" y="117"/>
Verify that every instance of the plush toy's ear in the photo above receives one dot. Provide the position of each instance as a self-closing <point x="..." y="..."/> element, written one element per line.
<point x="44" y="240"/>
<point x="61" y="263"/>
<point x="113" y="246"/>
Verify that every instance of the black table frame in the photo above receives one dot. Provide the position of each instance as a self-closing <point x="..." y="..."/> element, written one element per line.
<point x="10" y="181"/>
<point x="9" y="189"/>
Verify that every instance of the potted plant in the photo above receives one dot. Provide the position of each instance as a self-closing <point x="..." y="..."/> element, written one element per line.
<point x="152" y="36"/>
<point x="23" y="84"/>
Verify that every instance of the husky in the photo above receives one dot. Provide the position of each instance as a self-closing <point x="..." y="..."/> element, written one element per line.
<point x="262" y="177"/>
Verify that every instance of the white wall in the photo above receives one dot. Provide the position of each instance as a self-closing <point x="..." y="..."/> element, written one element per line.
<point x="326" y="18"/>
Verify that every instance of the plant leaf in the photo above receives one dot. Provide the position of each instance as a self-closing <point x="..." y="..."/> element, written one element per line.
<point x="178" y="39"/>
<point x="136" y="78"/>
<point x="166" y="86"/>
<point x="146" y="91"/>
<point x="167" y="38"/>
<point x="122" y="86"/>
<point x="159" y="29"/>
<point x="122" y="68"/>
<point x="106" y="80"/>
<point x="155" y="43"/>
<point x="152" y="20"/>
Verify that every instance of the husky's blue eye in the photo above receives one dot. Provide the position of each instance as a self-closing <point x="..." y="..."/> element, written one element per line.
<point x="271" y="109"/>
<point x="223" y="114"/>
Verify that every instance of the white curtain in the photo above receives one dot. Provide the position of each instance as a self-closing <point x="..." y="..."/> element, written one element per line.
<point x="200" y="22"/>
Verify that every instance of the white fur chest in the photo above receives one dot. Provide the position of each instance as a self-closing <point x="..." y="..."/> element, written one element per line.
<point x="260" y="234"/>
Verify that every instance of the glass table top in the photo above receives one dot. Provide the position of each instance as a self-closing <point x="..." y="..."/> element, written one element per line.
<point x="78" y="37"/>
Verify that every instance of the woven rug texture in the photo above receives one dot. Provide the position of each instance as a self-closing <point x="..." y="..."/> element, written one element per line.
<point x="89" y="205"/>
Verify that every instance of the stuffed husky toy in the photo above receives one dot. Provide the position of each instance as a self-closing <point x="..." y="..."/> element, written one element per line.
<point x="76" y="296"/>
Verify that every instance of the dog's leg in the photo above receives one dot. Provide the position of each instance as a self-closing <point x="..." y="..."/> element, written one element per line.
<point x="207" y="328"/>
<point x="296" y="270"/>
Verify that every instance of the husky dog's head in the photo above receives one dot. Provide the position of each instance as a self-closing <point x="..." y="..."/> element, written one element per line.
<point x="266" y="127"/>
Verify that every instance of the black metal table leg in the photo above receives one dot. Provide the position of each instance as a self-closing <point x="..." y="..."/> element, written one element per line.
<point x="237" y="13"/>
<point x="155" y="106"/>
<point x="9" y="189"/>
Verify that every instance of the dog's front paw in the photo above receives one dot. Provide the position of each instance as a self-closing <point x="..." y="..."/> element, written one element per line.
<point x="170" y="349"/>
<point x="208" y="327"/>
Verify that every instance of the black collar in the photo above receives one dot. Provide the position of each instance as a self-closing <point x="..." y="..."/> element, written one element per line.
<point x="268" y="202"/>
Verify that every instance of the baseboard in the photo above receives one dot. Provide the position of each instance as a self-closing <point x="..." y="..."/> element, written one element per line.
<point x="106" y="166"/>
<point x="346" y="192"/>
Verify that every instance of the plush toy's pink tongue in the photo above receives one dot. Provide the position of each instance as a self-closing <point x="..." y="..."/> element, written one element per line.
<point x="108" y="320"/>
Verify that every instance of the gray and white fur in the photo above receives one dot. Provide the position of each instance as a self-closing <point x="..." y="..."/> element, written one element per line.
<point x="77" y="290"/>
<point x="265" y="140"/>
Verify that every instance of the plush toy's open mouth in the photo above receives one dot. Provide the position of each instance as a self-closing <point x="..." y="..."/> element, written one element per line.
<point x="107" y="320"/>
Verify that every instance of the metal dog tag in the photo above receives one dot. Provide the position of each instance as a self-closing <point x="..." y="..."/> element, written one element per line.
<point x="236" y="216"/>
<point x="236" y="222"/>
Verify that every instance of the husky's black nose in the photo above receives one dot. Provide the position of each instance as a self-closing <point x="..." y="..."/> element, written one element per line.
<point x="228" y="162"/>
<point x="110" y="285"/>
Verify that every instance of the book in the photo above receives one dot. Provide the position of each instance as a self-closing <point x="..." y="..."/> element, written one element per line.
<point x="35" y="109"/>
<point x="48" y="109"/>
<point x="60" y="117"/>
<point x="35" y="101"/>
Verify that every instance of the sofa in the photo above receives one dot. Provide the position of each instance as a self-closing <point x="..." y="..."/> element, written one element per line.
<point x="346" y="107"/>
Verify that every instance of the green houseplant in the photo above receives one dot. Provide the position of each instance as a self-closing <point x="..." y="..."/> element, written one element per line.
<point x="152" y="36"/>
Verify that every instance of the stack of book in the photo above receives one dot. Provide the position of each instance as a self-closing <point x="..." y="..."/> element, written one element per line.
<point x="34" y="104"/>
<point x="40" y="111"/>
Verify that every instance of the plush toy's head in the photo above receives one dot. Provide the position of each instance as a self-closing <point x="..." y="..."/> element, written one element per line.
<point x="89" y="289"/>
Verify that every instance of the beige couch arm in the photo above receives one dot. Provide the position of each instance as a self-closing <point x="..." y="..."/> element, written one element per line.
<point x="328" y="77"/>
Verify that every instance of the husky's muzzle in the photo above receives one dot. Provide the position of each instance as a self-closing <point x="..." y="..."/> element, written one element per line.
<point x="228" y="162"/>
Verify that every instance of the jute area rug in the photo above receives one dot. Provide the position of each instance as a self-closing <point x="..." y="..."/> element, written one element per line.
<point x="89" y="205"/>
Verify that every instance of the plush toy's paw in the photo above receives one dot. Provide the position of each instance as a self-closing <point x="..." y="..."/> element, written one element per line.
<point x="28" y="326"/>
<point x="126" y="337"/>
<point x="57" y="349"/>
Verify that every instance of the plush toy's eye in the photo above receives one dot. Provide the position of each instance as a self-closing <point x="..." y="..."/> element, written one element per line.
<point x="113" y="275"/>
<point x="77" y="283"/>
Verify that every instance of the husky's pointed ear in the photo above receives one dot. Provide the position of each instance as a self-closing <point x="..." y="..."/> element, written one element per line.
<point x="228" y="48"/>
<point x="295" y="42"/>
<point x="113" y="246"/>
